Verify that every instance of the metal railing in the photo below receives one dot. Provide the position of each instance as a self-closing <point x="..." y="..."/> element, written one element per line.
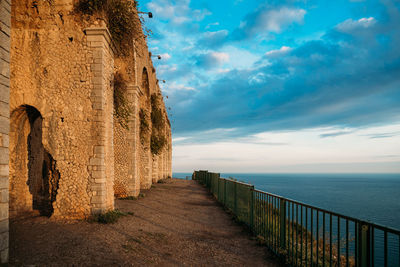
<point x="302" y="234"/>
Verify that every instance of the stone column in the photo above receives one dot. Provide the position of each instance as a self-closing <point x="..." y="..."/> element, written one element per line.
<point x="99" y="43"/>
<point x="170" y="153"/>
<point x="134" y="93"/>
<point x="5" y="29"/>
<point x="155" y="171"/>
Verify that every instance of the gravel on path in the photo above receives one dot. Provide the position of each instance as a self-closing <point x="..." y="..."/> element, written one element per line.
<point x="175" y="223"/>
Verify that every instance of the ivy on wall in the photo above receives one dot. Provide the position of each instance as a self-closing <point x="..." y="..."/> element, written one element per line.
<point x="144" y="125"/>
<point x="157" y="140"/>
<point x="121" y="18"/>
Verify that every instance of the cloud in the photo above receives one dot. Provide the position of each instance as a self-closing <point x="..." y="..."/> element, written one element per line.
<point x="211" y="60"/>
<point x="177" y="12"/>
<point x="350" y="25"/>
<point x="178" y="87"/>
<point x="213" y="39"/>
<point x="291" y="151"/>
<point x="334" y="134"/>
<point x="383" y="135"/>
<point x="348" y="80"/>
<point x="267" y="20"/>
<point x="278" y="52"/>
<point x="211" y="24"/>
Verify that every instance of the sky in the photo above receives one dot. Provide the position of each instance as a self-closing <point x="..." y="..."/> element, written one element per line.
<point x="280" y="86"/>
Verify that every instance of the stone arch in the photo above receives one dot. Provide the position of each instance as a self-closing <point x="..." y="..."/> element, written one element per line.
<point x="34" y="177"/>
<point x="145" y="82"/>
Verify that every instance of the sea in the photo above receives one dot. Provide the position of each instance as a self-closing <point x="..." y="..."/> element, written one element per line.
<point x="369" y="197"/>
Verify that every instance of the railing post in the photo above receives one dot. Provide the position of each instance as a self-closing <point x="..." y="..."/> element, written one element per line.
<point x="217" y="194"/>
<point x="224" y="192"/>
<point x="235" y="199"/>
<point x="283" y="223"/>
<point x="364" y="245"/>
<point x="252" y="208"/>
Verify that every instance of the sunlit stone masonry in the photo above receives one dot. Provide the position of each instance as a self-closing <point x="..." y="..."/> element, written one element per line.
<point x="5" y="25"/>
<point x="64" y="151"/>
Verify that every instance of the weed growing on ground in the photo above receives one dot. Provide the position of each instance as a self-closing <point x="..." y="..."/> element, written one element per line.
<point x="109" y="217"/>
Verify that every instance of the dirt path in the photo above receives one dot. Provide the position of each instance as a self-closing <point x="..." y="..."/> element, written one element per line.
<point x="177" y="223"/>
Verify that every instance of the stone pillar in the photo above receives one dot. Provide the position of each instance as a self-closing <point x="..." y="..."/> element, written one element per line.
<point x="5" y="29"/>
<point x="134" y="93"/>
<point x="164" y="162"/>
<point x="170" y="153"/>
<point x="147" y="170"/>
<point x="99" y="43"/>
<point x="155" y="170"/>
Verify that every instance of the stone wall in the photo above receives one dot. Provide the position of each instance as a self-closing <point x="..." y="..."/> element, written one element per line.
<point x="5" y="25"/>
<point x="58" y="70"/>
<point x="63" y="153"/>
<point x="135" y="166"/>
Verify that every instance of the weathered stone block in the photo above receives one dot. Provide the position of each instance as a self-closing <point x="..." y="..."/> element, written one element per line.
<point x="3" y="211"/>
<point x="98" y="174"/>
<point x="100" y="181"/>
<point x="4" y="237"/>
<point x="4" y="155"/>
<point x="4" y="81"/>
<point x="4" y="225"/>
<point x="99" y="149"/>
<point x="4" y="179"/>
<point x="4" y="195"/>
<point x="4" y="109"/>
<point x="98" y="199"/>
<point x="5" y="140"/>
<point x="4" y="68"/>
<point x="96" y="161"/>
<point x="4" y="93"/>
<point x="4" y="41"/>
<point x="4" y="256"/>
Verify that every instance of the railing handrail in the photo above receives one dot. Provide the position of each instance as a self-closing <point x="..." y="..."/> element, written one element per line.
<point x="375" y="225"/>
<point x="232" y="180"/>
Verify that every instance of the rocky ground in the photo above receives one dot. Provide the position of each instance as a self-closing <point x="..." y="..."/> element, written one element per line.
<point x="176" y="223"/>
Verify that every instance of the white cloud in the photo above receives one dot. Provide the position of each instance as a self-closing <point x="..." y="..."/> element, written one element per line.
<point x="350" y="24"/>
<point x="220" y="57"/>
<point x="178" y="12"/>
<point x="212" y="24"/>
<point x="212" y="59"/>
<point x="278" y="52"/>
<point x="217" y="34"/>
<point x="177" y="87"/>
<point x="309" y="150"/>
<point x="223" y="70"/>
<point x="240" y="58"/>
<point x="277" y="20"/>
<point x="179" y="139"/>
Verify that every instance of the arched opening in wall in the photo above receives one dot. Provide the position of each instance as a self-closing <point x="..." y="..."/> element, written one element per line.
<point x="145" y="82"/>
<point x="34" y="177"/>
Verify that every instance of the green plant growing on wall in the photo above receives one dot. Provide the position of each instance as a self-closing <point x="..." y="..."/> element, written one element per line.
<point x="121" y="17"/>
<point x="157" y="140"/>
<point x="157" y="143"/>
<point x="144" y="125"/>
<point x="122" y="109"/>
